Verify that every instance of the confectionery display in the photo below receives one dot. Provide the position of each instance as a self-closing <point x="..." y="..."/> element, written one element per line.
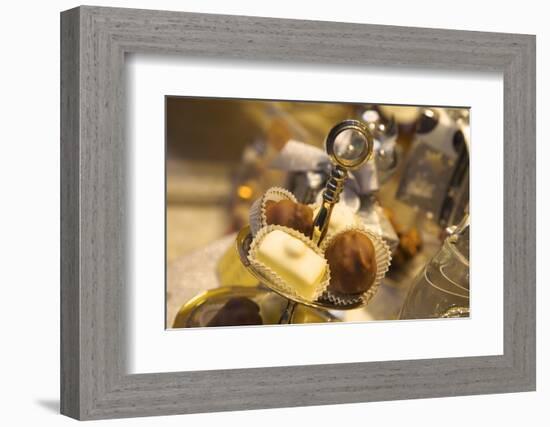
<point x="351" y="211"/>
<point x="291" y="265"/>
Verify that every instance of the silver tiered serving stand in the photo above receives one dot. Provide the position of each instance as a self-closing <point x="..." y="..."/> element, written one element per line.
<point x="349" y="145"/>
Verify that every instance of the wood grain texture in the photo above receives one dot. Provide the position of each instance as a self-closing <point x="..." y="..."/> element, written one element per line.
<point x="95" y="237"/>
<point x="70" y="291"/>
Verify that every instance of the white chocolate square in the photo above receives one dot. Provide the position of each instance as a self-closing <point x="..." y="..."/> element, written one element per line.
<point x="297" y="264"/>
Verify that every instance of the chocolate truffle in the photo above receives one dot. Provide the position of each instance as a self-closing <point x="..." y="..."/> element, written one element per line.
<point x="352" y="260"/>
<point x="237" y="311"/>
<point x="289" y="214"/>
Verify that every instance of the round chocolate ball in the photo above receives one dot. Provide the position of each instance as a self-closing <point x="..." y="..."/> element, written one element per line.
<point x="289" y="214"/>
<point x="237" y="311"/>
<point x="352" y="260"/>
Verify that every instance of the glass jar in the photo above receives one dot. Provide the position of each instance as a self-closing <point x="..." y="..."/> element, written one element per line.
<point x="442" y="289"/>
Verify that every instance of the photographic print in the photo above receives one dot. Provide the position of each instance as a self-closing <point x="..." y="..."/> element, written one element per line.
<point x="292" y="212"/>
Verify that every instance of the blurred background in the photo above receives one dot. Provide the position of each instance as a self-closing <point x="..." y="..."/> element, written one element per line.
<point x="222" y="154"/>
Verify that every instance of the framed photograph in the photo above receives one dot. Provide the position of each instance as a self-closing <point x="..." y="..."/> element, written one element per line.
<point x="261" y="213"/>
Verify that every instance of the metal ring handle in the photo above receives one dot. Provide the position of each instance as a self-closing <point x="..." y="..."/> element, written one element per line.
<point x="365" y="153"/>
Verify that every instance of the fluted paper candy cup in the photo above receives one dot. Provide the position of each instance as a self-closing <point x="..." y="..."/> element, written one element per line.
<point x="382" y="255"/>
<point x="276" y="282"/>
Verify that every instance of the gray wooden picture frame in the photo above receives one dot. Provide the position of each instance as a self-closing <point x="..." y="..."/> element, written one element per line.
<point x="94" y="382"/>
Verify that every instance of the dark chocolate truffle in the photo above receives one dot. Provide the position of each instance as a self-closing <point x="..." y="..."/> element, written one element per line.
<point x="290" y="214"/>
<point x="237" y="311"/>
<point x="352" y="260"/>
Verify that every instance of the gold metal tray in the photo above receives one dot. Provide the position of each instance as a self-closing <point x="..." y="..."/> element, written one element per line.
<point x="198" y="311"/>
